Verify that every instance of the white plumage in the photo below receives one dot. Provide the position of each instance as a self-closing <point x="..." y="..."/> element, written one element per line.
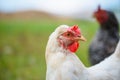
<point x="62" y="64"/>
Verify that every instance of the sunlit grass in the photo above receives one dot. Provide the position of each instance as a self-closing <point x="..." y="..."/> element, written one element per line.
<point x="23" y="43"/>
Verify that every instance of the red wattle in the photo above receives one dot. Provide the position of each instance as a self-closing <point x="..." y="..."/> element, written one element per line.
<point x="73" y="47"/>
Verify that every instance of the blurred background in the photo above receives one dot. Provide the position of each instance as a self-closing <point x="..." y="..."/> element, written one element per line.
<point x="25" y="26"/>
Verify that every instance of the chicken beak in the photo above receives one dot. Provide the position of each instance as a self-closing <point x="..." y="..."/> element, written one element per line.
<point x="80" y="38"/>
<point x="93" y="15"/>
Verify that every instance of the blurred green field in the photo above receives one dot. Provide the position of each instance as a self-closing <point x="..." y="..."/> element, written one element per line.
<point x="23" y="43"/>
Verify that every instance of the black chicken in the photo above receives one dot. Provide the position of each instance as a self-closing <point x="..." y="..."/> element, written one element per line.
<point x="107" y="37"/>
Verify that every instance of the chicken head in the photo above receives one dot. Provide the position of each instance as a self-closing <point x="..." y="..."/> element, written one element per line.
<point x="69" y="39"/>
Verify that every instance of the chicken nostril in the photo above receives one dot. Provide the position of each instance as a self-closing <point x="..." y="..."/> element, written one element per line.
<point x="79" y="36"/>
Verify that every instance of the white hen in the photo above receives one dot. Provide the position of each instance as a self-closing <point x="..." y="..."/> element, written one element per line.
<point x="63" y="64"/>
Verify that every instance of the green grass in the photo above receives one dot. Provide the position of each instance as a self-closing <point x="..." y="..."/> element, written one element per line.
<point x="23" y="43"/>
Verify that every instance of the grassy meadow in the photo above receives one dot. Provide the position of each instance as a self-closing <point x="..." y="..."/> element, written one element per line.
<point x="23" y="43"/>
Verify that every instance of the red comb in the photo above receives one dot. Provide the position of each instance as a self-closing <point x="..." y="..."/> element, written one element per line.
<point x="76" y="29"/>
<point x="99" y="7"/>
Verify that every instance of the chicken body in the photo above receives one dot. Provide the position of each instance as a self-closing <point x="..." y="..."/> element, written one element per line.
<point x="63" y="64"/>
<point x="106" y="38"/>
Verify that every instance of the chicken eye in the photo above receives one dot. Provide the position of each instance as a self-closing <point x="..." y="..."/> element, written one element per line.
<point x="68" y="34"/>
